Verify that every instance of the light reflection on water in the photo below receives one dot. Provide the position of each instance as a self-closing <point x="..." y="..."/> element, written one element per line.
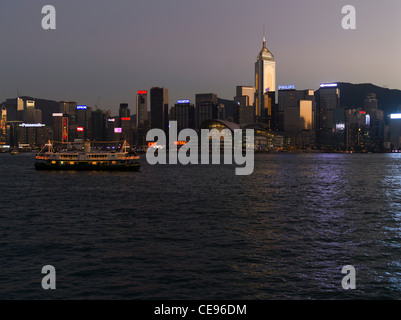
<point x="203" y="233"/>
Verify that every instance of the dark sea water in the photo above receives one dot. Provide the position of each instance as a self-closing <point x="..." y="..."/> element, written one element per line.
<point x="200" y="232"/>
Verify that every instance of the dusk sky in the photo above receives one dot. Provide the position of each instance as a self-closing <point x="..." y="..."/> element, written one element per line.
<point x="112" y="49"/>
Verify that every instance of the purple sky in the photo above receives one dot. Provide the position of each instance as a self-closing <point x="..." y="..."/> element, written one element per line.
<point x="112" y="49"/>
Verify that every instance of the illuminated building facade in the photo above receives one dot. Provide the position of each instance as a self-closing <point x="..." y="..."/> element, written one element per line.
<point x="60" y="128"/>
<point x="84" y="120"/>
<point x="3" y="125"/>
<point x="244" y="105"/>
<point x="264" y="139"/>
<point x="358" y="133"/>
<point x="331" y="133"/>
<point x="297" y="116"/>
<point x="377" y="124"/>
<point x="141" y="108"/>
<point x="34" y="135"/>
<point x="184" y="113"/>
<point x="265" y="82"/>
<point x="395" y="131"/>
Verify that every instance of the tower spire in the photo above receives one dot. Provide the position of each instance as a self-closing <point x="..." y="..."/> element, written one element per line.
<point x="264" y="36"/>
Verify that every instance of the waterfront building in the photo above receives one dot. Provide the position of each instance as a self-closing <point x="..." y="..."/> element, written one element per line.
<point x="264" y="139"/>
<point x="159" y="108"/>
<point x="377" y="124"/>
<point x="98" y="119"/>
<point x="331" y="117"/>
<point x="84" y="122"/>
<point x="3" y="125"/>
<point x="395" y="131"/>
<point x="141" y="107"/>
<point x="358" y="133"/>
<point x="244" y="105"/>
<point x="60" y="128"/>
<point x="184" y="113"/>
<point x="206" y="107"/>
<point x="297" y="116"/>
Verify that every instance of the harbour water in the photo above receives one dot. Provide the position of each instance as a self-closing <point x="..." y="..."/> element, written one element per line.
<point x="201" y="232"/>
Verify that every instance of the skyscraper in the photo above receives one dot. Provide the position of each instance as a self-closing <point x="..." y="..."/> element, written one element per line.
<point x="265" y="81"/>
<point x="377" y="123"/>
<point x="159" y="108"/>
<point x="331" y="117"/>
<point x="206" y="107"/>
<point x="141" y="107"/>
<point x="124" y="111"/>
<point x="3" y="127"/>
<point x="244" y="109"/>
<point x="297" y="109"/>
<point x="184" y="113"/>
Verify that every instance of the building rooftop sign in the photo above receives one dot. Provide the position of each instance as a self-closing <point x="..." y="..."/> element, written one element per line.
<point x="329" y="85"/>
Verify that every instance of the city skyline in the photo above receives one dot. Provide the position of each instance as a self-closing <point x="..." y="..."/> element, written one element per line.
<point x="112" y="50"/>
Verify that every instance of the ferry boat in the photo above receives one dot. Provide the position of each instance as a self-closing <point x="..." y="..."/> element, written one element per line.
<point x="87" y="159"/>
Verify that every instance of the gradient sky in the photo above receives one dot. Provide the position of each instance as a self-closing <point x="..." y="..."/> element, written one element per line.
<point x="112" y="49"/>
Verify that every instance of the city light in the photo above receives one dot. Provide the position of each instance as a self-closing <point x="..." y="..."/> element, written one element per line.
<point x="395" y="116"/>
<point x="80" y="129"/>
<point x="32" y="125"/>
<point x="82" y="107"/>
<point x="329" y="85"/>
<point x="125" y="119"/>
<point x="340" y="126"/>
<point x="180" y="143"/>
<point x="183" y="101"/>
<point x="288" y="87"/>
<point x="142" y="92"/>
<point x="118" y="130"/>
<point x="57" y="114"/>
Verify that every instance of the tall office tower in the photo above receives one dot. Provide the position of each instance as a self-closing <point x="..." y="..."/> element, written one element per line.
<point x="124" y="111"/>
<point x="265" y="81"/>
<point x="377" y="123"/>
<point x="297" y="115"/>
<point x="20" y="109"/>
<point x="331" y="117"/>
<point x="69" y="108"/>
<point x="60" y="128"/>
<point x="84" y="121"/>
<point x="184" y="113"/>
<point x="141" y="107"/>
<point x="29" y="111"/>
<point x="206" y="107"/>
<point x="357" y="130"/>
<point x="98" y="119"/>
<point x="159" y="108"/>
<point x="244" y="109"/>
<point x="3" y="126"/>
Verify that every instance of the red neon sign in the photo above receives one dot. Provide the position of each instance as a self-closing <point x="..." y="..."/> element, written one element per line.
<point x="142" y="92"/>
<point x="362" y="112"/>
<point x="80" y="129"/>
<point x="125" y="119"/>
